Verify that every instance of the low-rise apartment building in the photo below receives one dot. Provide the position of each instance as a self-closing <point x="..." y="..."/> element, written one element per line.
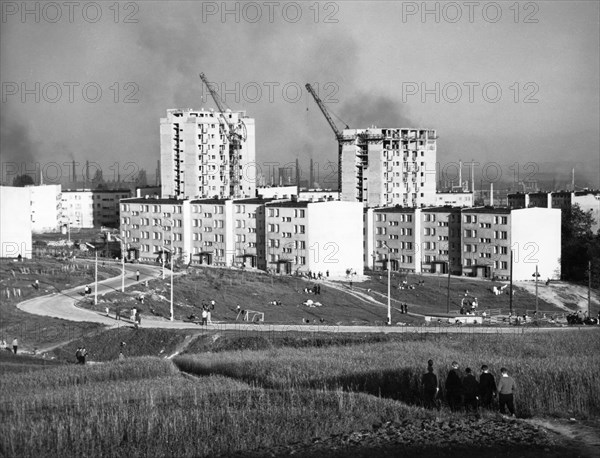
<point x="87" y="208"/>
<point x="322" y="236"/>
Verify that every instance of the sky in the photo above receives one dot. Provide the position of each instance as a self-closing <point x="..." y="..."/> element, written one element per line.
<point x="502" y="82"/>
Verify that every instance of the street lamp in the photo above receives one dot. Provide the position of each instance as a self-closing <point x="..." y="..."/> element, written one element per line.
<point x="389" y="295"/>
<point x="95" y="273"/>
<point x="536" y="274"/>
<point x="172" y="253"/>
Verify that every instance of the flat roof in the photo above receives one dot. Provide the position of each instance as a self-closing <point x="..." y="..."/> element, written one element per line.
<point x="396" y="209"/>
<point x="500" y="210"/>
<point x="153" y="201"/>
<point x="254" y="200"/>
<point x="289" y="203"/>
<point x="445" y="208"/>
<point x="209" y="200"/>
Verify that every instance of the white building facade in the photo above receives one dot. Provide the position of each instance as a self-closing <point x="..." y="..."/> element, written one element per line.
<point x="15" y="222"/>
<point x="46" y="207"/>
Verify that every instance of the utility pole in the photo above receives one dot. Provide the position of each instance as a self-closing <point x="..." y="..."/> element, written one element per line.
<point x="536" y="290"/>
<point x="448" y="294"/>
<point x="389" y="298"/>
<point x="511" y="283"/>
<point x="589" y="289"/>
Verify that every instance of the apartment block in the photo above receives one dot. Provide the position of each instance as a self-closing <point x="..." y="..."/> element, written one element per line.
<point x="488" y="235"/>
<point x="396" y="233"/>
<point x="385" y="167"/>
<point x="87" y="208"/>
<point x="151" y="227"/>
<point x="195" y="157"/>
<point x="469" y="241"/>
<point x="46" y="207"/>
<point x="212" y="232"/>
<point x="440" y="246"/>
<point x="321" y="236"/>
<point x="15" y="222"/>
<point x="249" y="232"/>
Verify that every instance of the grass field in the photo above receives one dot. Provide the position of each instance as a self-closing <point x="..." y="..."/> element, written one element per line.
<point x="342" y="304"/>
<point x="53" y="275"/>
<point x="245" y="400"/>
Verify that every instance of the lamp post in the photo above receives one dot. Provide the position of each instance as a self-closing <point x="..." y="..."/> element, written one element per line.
<point x="172" y="253"/>
<point x="536" y="289"/>
<point x="389" y="289"/>
<point x="448" y="293"/>
<point x="95" y="274"/>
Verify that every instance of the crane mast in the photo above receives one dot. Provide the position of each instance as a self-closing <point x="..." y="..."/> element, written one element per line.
<point x="338" y="134"/>
<point x="233" y="137"/>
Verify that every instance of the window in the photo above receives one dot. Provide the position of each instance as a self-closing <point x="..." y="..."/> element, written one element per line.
<point x="286" y="235"/>
<point x="380" y="217"/>
<point x="273" y="227"/>
<point x="274" y="212"/>
<point x="274" y="243"/>
<point x="287" y="219"/>
<point x="240" y="223"/>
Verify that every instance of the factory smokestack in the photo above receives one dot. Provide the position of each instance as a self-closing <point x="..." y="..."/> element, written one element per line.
<point x="491" y="194"/>
<point x="473" y="176"/>
<point x="460" y="183"/>
<point x="74" y="172"/>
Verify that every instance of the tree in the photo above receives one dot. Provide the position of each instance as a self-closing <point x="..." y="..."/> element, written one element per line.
<point x="579" y="245"/>
<point x="21" y="181"/>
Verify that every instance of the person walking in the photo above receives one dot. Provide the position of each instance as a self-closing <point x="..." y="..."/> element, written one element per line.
<point x="137" y="275"/>
<point x="454" y="387"/>
<point x="430" y="388"/>
<point x="487" y="387"/>
<point x="506" y="389"/>
<point x="15" y="345"/>
<point x="204" y="316"/>
<point x="471" y="391"/>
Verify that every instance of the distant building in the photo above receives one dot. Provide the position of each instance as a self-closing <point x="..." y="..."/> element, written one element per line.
<point x="587" y="200"/>
<point x="87" y="208"/>
<point x="150" y="191"/>
<point x="46" y="207"/>
<point x="195" y="158"/>
<point x="384" y="167"/>
<point x="15" y="222"/>
<point x="455" y="199"/>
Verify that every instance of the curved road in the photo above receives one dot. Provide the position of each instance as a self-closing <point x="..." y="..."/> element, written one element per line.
<point x="62" y="305"/>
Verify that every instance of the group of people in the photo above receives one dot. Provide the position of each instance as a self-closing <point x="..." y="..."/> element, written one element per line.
<point x="15" y="345"/>
<point x="136" y="317"/>
<point x="81" y="354"/>
<point x="468" y="392"/>
<point x="404" y="307"/>
<point x="317" y="276"/>
<point x="314" y="290"/>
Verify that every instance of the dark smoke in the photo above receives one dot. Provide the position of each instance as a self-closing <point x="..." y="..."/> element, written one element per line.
<point x="365" y="110"/>
<point x="19" y="150"/>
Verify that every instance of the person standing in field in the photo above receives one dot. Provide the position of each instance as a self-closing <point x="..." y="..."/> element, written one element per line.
<point x="454" y="387"/>
<point x="137" y="275"/>
<point x="204" y="316"/>
<point x="430" y="388"/>
<point x="15" y="345"/>
<point x="471" y="390"/>
<point x="487" y="387"/>
<point x="506" y="389"/>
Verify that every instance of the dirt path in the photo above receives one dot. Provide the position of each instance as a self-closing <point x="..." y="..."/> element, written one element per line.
<point x="585" y="437"/>
<point x="564" y="295"/>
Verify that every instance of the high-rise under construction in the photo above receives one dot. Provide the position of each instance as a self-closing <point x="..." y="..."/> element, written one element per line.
<point x="388" y="166"/>
<point x="195" y="158"/>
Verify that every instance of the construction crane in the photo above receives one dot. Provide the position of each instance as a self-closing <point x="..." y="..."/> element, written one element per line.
<point x="338" y="134"/>
<point x="236" y="134"/>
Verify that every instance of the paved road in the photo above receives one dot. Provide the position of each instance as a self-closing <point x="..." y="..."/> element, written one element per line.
<point x="62" y="305"/>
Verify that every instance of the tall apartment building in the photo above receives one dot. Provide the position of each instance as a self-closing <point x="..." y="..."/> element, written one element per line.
<point x="385" y="167"/>
<point x="87" y="208"/>
<point x="195" y="158"/>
